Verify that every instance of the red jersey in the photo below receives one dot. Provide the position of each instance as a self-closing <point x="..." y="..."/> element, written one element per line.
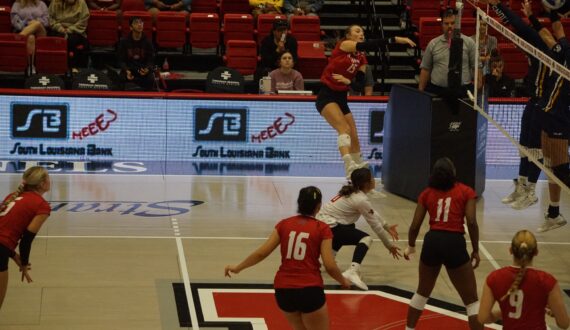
<point x="301" y="238"/>
<point x="343" y="63"/>
<point x="447" y="208"/>
<point x="18" y="216"/>
<point x="523" y="309"/>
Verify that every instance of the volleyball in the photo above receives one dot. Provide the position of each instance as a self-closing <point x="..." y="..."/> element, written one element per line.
<point x="553" y="4"/>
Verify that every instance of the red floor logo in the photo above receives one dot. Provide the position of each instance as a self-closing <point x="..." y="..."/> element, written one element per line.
<point x="240" y="308"/>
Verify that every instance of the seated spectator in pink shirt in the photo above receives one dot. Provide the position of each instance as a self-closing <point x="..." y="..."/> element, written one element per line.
<point x="285" y="77"/>
<point x="30" y="18"/>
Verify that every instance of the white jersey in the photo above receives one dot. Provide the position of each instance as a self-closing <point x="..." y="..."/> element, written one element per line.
<point x="346" y="210"/>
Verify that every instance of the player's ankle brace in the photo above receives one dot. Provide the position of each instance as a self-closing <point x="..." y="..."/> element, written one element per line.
<point x="418" y="302"/>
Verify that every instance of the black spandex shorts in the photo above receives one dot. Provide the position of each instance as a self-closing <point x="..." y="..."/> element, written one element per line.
<point x="5" y="254"/>
<point x="304" y="300"/>
<point x="346" y="235"/>
<point x="555" y="126"/>
<point x="327" y="95"/>
<point x="444" y="248"/>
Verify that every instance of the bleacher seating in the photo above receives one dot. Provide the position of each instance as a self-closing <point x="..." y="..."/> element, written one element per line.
<point x="424" y="8"/>
<point x="516" y="62"/>
<point x="102" y="29"/>
<point x="234" y="6"/>
<point x="204" y="6"/>
<point x="311" y="59"/>
<point x="204" y="30"/>
<point x="306" y="28"/>
<point x="13" y="53"/>
<point x="51" y="55"/>
<point x="241" y="55"/>
<point x="429" y="28"/>
<point x="171" y="29"/>
<point x="132" y="5"/>
<point x="5" y="23"/>
<point x="238" y="27"/>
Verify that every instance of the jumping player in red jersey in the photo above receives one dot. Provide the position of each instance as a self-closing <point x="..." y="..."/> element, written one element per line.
<point x="298" y="284"/>
<point x="448" y="202"/>
<point x="524" y="293"/>
<point x="347" y="61"/>
<point x="22" y="214"/>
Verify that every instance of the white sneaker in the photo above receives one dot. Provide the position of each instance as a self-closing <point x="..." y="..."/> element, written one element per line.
<point x="551" y="223"/>
<point x="353" y="276"/>
<point x="529" y="198"/>
<point x="375" y="194"/>
<point x="518" y="193"/>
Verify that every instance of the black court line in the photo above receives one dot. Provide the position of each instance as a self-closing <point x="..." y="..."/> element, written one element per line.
<point x="184" y="315"/>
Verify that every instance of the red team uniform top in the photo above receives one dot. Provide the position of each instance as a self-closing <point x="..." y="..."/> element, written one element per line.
<point x="447" y="208"/>
<point x="301" y="238"/>
<point x="343" y="63"/>
<point x="523" y="309"/>
<point x="18" y="216"/>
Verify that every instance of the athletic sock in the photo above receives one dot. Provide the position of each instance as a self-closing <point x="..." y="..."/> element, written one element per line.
<point x="359" y="253"/>
<point x="347" y="159"/>
<point x="356" y="157"/>
<point x="522" y="180"/>
<point x="553" y="209"/>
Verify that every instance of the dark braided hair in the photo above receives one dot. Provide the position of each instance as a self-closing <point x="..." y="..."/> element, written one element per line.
<point x="31" y="180"/>
<point x="524" y="247"/>
<point x="358" y="179"/>
<point x="309" y="198"/>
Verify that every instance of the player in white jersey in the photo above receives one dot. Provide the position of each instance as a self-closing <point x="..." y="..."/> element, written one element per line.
<point x="341" y="214"/>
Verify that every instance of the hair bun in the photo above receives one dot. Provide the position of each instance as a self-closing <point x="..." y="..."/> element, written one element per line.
<point x="523" y="245"/>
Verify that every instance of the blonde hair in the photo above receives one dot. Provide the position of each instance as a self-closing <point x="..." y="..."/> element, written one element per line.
<point x="524" y="247"/>
<point x="31" y="181"/>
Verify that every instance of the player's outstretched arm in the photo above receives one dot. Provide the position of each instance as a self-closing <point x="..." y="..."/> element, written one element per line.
<point x="257" y="256"/>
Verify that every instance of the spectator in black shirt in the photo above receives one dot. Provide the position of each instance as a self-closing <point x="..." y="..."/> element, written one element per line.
<point x="499" y="84"/>
<point x="274" y="44"/>
<point x="136" y="56"/>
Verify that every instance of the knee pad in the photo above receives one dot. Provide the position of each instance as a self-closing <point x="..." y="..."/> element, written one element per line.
<point x="472" y="309"/>
<point x="418" y="302"/>
<point x="366" y="241"/>
<point x="343" y="140"/>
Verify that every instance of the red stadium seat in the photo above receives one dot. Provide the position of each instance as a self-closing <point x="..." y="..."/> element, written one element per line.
<point x="468" y="26"/>
<point x="171" y="29"/>
<point x="102" y="29"/>
<point x="311" y="59"/>
<point x="51" y="55"/>
<point x="424" y="8"/>
<point x="265" y="24"/>
<point x="204" y="6"/>
<point x="5" y="22"/>
<point x="132" y="5"/>
<point x="146" y="18"/>
<point x="237" y="27"/>
<point x="241" y="55"/>
<point x="204" y="30"/>
<point x="306" y="28"/>
<point x="6" y="3"/>
<point x="516" y="62"/>
<point x="234" y="6"/>
<point x="13" y="53"/>
<point x="430" y="27"/>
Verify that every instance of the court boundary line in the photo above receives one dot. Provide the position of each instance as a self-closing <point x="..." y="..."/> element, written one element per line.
<point x="245" y="238"/>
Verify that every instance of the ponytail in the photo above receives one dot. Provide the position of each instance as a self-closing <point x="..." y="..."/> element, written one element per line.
<point x="12" y="197"/>
<point x="523" y="247"/>
<point x="31" y="180"/>
<point x="358" y="179"/>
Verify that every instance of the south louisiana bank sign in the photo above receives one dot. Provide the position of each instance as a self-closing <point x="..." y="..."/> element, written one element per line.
<point x="42" y="129"/>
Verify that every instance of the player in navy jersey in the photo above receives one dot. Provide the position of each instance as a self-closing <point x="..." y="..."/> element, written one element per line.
<point x="347" y="62"/>
<point x="448" y="202"/>
<point x="341" y="214"/>
<point x="298" y="283"/>
<point x="22" y="214"/>
<point x="522" y="291"/>
<point x="524" y="194"/>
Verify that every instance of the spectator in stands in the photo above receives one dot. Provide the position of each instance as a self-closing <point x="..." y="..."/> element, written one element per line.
<point x="110" y="5"/>
<point x="30" y="19"/>
<point x="487" y="45"/>
<point x="136" y="56"/>
<point x="272" y="46"/>
<point x="302" y="7"/>
<point x="435" y="61"/>
<point x="156" y="6"/>
<point x="68" y="19"/>
<point x="265" y="7"/>
<point x="285" y="77"/>
<point x="368" y="84"/>
<point x="499" y="84"/>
